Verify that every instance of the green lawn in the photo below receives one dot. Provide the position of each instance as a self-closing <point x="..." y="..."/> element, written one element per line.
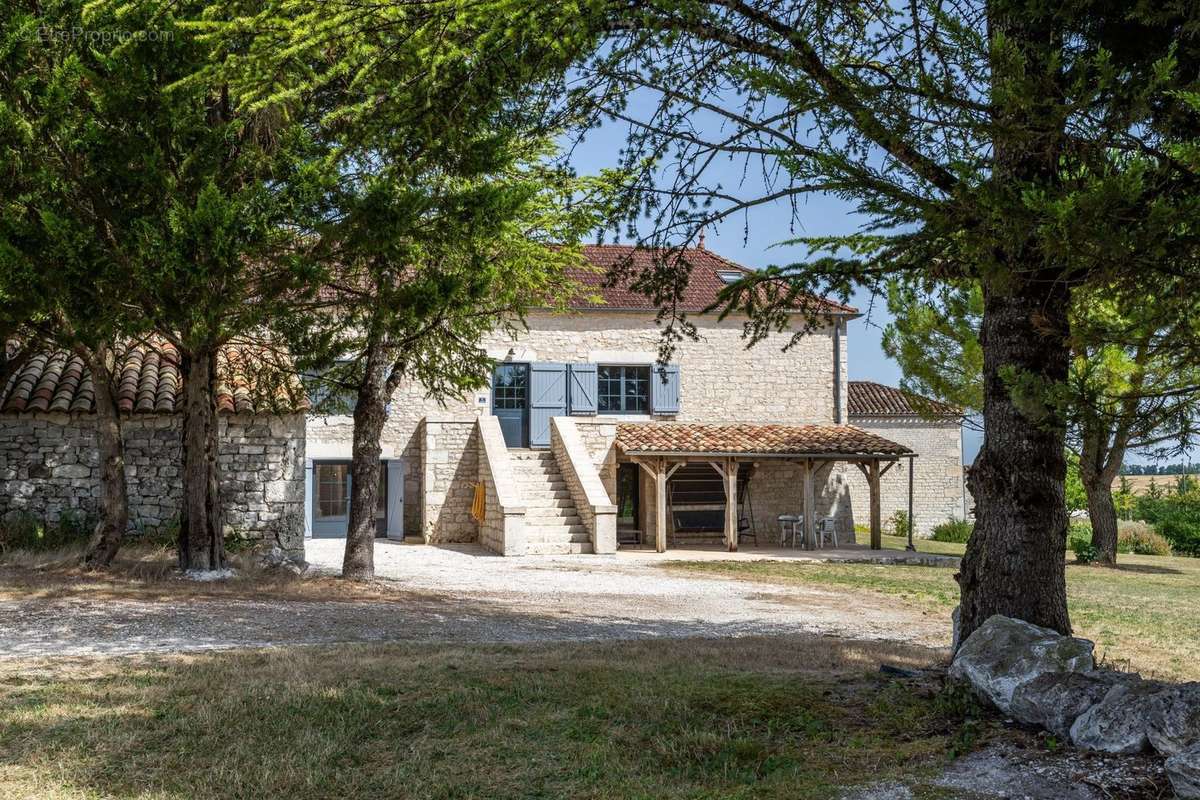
<point x="665" y="719"/>
<point x="1142" y="615"/>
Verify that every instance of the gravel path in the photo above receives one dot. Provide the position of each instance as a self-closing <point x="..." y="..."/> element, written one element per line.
<point x="460" y="594"/>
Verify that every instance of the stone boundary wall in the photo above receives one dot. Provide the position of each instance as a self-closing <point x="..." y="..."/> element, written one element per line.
<point x="503" y="528"/>
<point x="449" y="469"/>
<point x="49" y="464"/>
<point x="582" y="475"/>
<point x="938" y="489"/>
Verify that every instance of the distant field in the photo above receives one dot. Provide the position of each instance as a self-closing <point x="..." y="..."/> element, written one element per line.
<point x="1140" y="484"/>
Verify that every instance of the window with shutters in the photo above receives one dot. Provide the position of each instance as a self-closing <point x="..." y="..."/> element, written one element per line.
<point x="623" y="389"/>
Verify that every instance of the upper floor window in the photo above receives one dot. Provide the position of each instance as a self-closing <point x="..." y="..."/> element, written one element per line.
<point x="623" y="390"/>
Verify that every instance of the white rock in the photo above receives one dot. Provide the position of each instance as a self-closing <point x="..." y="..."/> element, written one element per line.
<point x="1003" y="653"/>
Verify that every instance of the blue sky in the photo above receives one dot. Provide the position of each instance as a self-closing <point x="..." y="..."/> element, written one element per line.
<point x="753" y="240"/>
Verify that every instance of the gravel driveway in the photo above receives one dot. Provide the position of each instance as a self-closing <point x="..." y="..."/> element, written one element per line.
<point x="460" y="594"/>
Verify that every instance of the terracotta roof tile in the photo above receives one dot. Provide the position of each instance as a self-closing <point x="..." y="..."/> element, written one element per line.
<point x="746" y="439"/>
<point x="704" y="283"/>
<point x="868" y="399"/>
<point x="148" y="382"/>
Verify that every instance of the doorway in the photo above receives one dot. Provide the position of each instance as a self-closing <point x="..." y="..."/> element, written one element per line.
<point x="331" y="500"/>
<point x="629" y="503"/>
<point x="510" y="402"/>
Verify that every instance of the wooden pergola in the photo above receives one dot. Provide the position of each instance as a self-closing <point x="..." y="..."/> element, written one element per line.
<point x="662" y="448"/>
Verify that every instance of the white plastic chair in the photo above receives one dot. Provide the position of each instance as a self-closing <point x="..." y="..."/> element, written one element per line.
<point x="827" y="526"/>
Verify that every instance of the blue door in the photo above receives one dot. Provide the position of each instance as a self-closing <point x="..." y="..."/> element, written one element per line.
<point x="510" y="402"/>
<point x="331" y="500"/>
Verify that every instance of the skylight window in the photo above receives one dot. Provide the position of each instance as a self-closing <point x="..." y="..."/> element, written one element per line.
<point x="729" y="275"/>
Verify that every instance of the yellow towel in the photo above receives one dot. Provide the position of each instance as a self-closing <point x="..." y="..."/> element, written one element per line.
<point x="479" y="506"/>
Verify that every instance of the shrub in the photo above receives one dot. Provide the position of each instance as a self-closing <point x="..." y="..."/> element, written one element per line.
<point x="1079" y="532"/>
<point x="1084" y="552"/>
<point x="898" y="523"/>
<point x="22" y="530"/>
<point x="1176" y="517"/>
<point x="953" y="530"/>
<point x="1141" y="539"/>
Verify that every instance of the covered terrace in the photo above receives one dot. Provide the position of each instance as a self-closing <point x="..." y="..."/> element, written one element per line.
<point x="662" y="448"/>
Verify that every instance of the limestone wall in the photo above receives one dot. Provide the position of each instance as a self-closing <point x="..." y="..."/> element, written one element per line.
<point x="938" y="491"/>
<point x="449" y="470"/>
<point x="503" y="527"/>
<point x="49" y="463"/>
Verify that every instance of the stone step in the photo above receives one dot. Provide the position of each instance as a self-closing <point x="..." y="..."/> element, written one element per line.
<point x="558" y="549"/>
<point x="547" y="495"/>
<point x="537" y="474"/>
<point x="546" y="519"/>
<point x="548" y="503"/>
<point x="551" y="531"/>
<point x="532" y="487"/>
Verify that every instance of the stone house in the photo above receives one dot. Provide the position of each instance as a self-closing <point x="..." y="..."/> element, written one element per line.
<point x="581" y="443"/>
<point x="556" y="443"/>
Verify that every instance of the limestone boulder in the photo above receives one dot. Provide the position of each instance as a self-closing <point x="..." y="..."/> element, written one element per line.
<point x="1054" y="700"/>
<point x="1117" y="724"/>
<point x="1003" y="653"/>
<point x="1173" y="719"/>
<point x="1183" y="769"/>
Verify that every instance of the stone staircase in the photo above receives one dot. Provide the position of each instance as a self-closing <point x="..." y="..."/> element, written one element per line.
<point x="552" y="524"/>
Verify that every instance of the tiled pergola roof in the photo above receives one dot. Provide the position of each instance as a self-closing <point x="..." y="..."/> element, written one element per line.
<point x="251" y="380"/>
<point x="683" y="439"/>
<point x="869" y="399"/>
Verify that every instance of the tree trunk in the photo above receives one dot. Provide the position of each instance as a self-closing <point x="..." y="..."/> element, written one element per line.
<point x="201" y="528"/>
<point x="1099" y="462"/>
<point x="1014" y="564"/>
<point x="1103" y="514"/>
<point x="370" y="414"/>
<point x="110" y="444"/>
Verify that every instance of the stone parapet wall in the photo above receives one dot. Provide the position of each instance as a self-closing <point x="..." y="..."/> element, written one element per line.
<point x="449" y="470"/>
<point x="49" y="464"/>
<point x="581" y="472"/>
<point x="503" y="527"/>
<point x="938" y="490"/>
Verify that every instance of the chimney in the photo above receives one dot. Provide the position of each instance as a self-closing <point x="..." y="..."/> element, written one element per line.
<point x="700" y="245"/>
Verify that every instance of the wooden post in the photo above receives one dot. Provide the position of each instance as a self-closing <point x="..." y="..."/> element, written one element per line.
<point x="731" y="505"/>
<point x="660" y="506"/>
<point x="876" y="521"/>
<point x="810" y="506"/>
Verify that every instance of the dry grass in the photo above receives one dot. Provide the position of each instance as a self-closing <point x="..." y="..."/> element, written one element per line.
<point x="1142" y="615"/>
<point x="150" y="573"/>
<point x="747" y="718"/>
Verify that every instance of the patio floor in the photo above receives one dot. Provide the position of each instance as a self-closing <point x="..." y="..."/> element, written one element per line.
<point x="847" y="554"/>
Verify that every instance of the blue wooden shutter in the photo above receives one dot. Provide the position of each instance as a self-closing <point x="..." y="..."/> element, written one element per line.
<point x="583" y="387"/>
<point x="309" y="503"/>
<point x="548" y="398"/>
<point x="395" y="499"/>
<point x="664" y="389"/>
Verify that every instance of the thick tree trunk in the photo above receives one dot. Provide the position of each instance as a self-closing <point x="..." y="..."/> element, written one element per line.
<point x="370" y="414"/>
<point x="110" y="444"/>
<point x="1103" y="514"/>
<point x="1099" y="462"/>
<point x="201" y="529"/>
<point x="1014" y="564"/>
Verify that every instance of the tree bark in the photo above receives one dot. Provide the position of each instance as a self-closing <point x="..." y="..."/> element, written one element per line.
<point x="370" y="414"/>
<point x="1099" y="462"/>
<point x="202" y="525"/>
<point x="110" y="444"/>
<point x="1015" y="560"/>
<point x="1014" y="564"/>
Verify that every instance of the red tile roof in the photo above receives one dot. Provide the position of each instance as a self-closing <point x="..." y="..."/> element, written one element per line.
<point x="868" y="399"/>
<point x="774" y="440"/>
<point x="250" y="381"/>
<point x="629" y="262"/>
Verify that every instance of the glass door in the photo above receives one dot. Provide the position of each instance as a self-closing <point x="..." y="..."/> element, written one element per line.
<point x="510" y="402"/>
<point x="331" y="499"/>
